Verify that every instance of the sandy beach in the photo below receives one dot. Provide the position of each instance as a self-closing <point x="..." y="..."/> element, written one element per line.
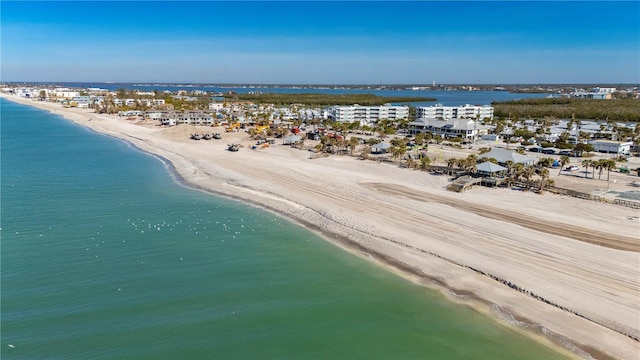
<point x="566" y="271"/>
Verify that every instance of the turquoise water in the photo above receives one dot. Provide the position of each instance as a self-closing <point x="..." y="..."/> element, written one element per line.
<point x="104" y="256"/>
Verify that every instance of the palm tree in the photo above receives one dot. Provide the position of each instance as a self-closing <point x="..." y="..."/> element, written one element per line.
<point x="600" y="165"/>
<point x="410" y="163"/>
<point x="419" y="139"/>
<point x="353" y="143"/>
<point x="364" y="154"/>
<point x="515" y="172"/>
<point x="545" y="162"/>
<point x="544" y="176"/>
<point x="527" y="173"/>
<point x="451" y="162"/>
<point x="586" y="163"/>
<point x="425" y="161"/>
<point x="609" y="164"/>
<point x="398" y="151"/>
<point x="564" y="160"/>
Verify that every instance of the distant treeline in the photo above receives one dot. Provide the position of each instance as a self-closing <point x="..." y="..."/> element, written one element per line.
<point x="323" y="99"/>
<point x="566" y="108"/>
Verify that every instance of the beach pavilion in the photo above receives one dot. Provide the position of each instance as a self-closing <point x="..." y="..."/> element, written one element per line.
<point x="503" y="156"/>
<point x="488" y="168"/>
<point x="492" y="174"/>
<point x="380" y="147"/>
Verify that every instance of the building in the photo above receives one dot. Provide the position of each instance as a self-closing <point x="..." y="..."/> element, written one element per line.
<point x="603" y="90"/>
<point x="612" y="147"/>
<point x="80" y="101"/>
<point x="592" y="95"/>
<point x="190" y="117"/>
<point x="466" y="111"/>
<point x="595" y="93"/>
<point x="27" y="92"/>
<point x="367" y="115"/>
<point x="503" y="156"/>
<point x="216" y="106"/>
<point x="65" y="93"/>
<point x="451" y="128"/>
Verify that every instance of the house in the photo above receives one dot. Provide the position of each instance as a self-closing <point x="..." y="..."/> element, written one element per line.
<point x="504" y="155"/>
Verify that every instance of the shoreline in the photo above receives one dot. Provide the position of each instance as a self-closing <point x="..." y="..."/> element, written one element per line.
<point x="427" y="267"/>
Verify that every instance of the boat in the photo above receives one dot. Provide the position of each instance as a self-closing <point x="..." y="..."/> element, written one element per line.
<point x="217" y="136"/>
<point x="196" y="136"/>
<point x="207" y="136"/>
<point x="233" y="147"/>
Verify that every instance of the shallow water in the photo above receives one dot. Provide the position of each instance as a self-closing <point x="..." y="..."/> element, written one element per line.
<point x="105" y="256"/>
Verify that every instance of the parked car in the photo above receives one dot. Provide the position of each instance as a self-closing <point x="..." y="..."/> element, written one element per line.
<point x="572" y="168"/>
<point x="534" y="149"/>
<point x="548" y="151"/>
<point x="565" y="152"/>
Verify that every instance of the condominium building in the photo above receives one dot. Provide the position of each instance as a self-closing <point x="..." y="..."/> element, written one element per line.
<point x="367" y="115"/>
<point x="450" y="128"/>
<point x="189" y="117"/>
<point x="440" y="112"/>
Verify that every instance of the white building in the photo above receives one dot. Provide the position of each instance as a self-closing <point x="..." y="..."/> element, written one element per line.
<point x="191" y="117"/>
<point x="450" y="128"/>
<point x="215" y="106"/>
<point x="27" y="92"/>
<point x="604" y="90"/>
<point x="367" y="115"/>
<point x="466" y="111"/>
<point x="65" y="93"/>
<point x="81" y="101"/>
<point x="612" y="147"/>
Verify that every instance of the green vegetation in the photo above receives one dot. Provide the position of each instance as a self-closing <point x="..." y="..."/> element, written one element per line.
<point x="322" y="99"/>
<point x="566" y="108"/>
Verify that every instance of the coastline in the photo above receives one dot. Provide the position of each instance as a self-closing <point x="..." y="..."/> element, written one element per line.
<point x="397" y="231"/>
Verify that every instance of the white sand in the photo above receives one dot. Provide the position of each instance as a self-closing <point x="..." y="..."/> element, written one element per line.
<point x="406" y="221"/>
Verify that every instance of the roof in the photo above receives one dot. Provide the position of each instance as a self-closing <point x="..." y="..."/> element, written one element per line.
<point x="490" y="167"/>
<point x="503" y="155"/>
<point x="612" y="142"/>
<point x="382" y="145"/>
<point x="463" y="124"/>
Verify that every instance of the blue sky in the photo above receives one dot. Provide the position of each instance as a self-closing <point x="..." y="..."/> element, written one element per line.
<point x="321" y="42"/>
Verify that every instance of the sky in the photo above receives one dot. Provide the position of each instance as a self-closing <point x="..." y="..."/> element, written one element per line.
<point x="296" y="42"/>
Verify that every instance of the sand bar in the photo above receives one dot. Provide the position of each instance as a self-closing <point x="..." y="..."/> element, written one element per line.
<point x="569" y="268"/>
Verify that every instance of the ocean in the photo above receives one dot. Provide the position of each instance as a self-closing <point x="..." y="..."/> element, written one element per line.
<point x="104" y="255"/>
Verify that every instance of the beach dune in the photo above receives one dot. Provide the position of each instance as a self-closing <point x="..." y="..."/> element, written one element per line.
<point x="566" y="270"/>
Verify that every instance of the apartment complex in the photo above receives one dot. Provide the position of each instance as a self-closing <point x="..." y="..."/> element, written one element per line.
<point x="367" y="115"/>
<point x="449" y="128"/>
<point x="187" y="117"/>
<point x="440" y="112"/>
